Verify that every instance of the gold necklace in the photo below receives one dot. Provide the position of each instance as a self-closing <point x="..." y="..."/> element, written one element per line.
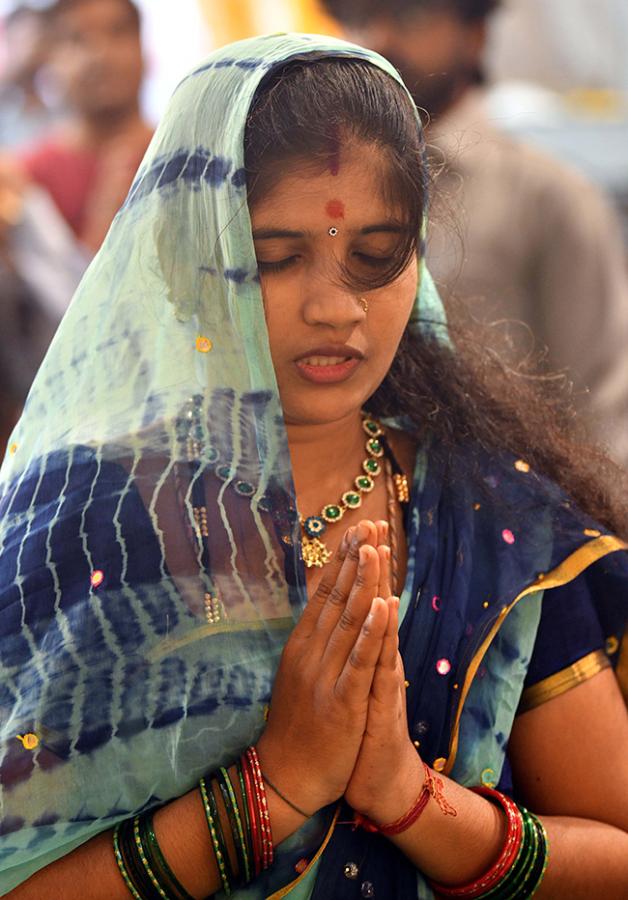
<point x="315" y="551"/>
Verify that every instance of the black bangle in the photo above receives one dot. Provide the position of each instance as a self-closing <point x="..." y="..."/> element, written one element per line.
<point x="223" y="860"/>
<point x="157" y="862"/>
<point x="243" y="866"/>
<point x="247" y="818"/>
<point x="133" y="864"/>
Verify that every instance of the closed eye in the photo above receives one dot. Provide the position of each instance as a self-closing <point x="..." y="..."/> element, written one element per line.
<point x="375" y="262"/>
<point x="276" y="265"/>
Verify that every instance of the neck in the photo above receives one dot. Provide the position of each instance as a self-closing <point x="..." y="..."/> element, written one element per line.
<point x="94" y="130"/>
<point x="325" y="460"/>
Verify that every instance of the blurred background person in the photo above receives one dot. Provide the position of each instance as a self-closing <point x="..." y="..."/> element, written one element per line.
<point x="542" y="246"/>
<point x="24" y="114"/>
<point x="88" y="164"/>
<point x="59" y="195"/>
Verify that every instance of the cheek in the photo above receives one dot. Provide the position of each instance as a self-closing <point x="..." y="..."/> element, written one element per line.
<point x="393" y="308"/>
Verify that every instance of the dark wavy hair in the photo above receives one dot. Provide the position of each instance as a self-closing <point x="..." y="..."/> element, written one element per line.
<point x="470" y="394"/>
<point x="355" y="12"/>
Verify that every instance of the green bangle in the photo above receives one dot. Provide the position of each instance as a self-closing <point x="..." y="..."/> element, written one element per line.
<point x="158" y="861"/>
<point x="121" y="863"/>
<point x="511" y="886"/>
<point x="515" y="885"/>
<point x="233" y="812"/>
<point x="142" y="855"/>
<point x="541" y="868"/>
<point x="213" y="821"/>
<point x="503" y="888"/>
<point x="133" y="867"/>
<point x="220" y="833"/>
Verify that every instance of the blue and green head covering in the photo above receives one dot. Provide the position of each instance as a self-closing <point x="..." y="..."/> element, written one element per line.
<point x="149" y="561"/>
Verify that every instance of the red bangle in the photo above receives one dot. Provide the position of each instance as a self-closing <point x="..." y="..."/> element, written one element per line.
<point x="512" y="845"/>
<point x="256" y="844"/>
<point x="268" y="852"/>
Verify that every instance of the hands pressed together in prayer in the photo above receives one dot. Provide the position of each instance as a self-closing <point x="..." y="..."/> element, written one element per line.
<point x="337" y="724"/>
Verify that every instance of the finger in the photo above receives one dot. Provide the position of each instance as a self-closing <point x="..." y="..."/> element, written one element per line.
<point x="351" y="619"/>
<point x="388" y="681"/>
<point x="356" y="677"/>
<point x="390" y="645"/>
<point x="338" y="596"/>
<point x="316" y="602"/>
<point x="368" y="529"/>
<point x="382" y="534"/>
<point x="385" y="589"/>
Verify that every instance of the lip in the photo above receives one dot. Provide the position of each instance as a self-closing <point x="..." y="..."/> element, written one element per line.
<point x="329" y="374"/>
<point x="332" y="350"/>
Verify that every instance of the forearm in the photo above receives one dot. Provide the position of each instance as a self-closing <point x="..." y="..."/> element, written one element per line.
<point x="452" y="849"/>
<point x="181" y="828"/>
<point x="586" y="858"/>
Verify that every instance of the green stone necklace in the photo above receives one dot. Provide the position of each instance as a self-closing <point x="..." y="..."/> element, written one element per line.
<point x="315" y="551"/>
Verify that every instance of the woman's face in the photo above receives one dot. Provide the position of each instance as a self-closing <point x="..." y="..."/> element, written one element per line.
<point x="330" y="354"/>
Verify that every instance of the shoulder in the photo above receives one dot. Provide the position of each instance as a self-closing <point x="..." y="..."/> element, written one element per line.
<point x="560" y="189"/>
<point x="481" y="145"/>
<point x="52" y="154"/>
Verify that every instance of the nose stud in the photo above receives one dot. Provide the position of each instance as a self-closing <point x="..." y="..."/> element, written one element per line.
<point x="333" y="231"/>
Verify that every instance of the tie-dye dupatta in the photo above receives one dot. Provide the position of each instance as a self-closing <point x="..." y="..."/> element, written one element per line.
<point x="149" y="567"/>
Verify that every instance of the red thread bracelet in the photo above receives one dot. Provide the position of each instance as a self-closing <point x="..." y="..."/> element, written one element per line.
<point x="405" y="821"/>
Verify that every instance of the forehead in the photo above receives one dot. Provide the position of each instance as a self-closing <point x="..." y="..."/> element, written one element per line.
<point x="94" y="15"/>
<point x="352" y="184"/>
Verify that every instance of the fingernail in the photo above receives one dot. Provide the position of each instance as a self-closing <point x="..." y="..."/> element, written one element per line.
<point x="360" y="534"/>
<point x="377" y="600"/>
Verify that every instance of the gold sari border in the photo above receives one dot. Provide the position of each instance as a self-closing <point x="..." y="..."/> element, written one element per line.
<point x="168" y="645"/>
<point x="621" y="671"/>
<point x="570" y="568"/>
<point x="285" y="890"/>
<point x="564" y="680"/>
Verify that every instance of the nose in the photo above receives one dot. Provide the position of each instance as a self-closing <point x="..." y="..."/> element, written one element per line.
<point x="329" y="302"/>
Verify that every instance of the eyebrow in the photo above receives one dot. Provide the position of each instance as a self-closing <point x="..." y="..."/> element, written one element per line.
<point x="267" y="234"/>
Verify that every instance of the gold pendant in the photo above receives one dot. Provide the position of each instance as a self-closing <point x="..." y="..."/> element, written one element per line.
<point x="315" y="553"/>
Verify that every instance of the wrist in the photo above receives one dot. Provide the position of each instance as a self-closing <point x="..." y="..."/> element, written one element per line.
<point x="291" y="787"/>
<point x="397" y="793"/>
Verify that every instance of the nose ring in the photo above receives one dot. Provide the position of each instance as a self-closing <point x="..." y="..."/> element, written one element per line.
<point x="363" y="303"/>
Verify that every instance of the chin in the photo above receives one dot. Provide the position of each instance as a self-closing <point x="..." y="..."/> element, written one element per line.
<point x="324" y="409"/>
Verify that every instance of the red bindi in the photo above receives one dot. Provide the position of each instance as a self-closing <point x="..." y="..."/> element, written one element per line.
<point x="335" y="209"/>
